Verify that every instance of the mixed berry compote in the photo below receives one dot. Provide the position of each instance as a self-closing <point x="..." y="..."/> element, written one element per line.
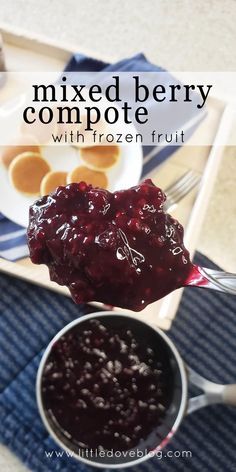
<point x="108" y="384"/>
<point x="118" y="248"/>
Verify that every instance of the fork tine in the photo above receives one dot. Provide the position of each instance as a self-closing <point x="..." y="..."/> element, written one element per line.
<point x="185" y="189"/>
<point x="178" y="182"/>
<point x="181" y="189"/>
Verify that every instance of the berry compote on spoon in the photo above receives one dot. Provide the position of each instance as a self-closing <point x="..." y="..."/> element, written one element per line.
<point x="120" y="248"/>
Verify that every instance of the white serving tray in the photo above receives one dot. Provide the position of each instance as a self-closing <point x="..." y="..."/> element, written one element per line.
<point x="36" y="53"/>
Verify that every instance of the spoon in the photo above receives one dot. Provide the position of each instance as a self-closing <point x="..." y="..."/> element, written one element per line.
<point x="213" y="279"/>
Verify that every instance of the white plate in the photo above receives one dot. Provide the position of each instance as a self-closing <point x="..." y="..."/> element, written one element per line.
<point x="15" y="205"/>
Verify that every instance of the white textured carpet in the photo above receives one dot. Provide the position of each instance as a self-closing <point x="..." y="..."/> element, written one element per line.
<point x="179" y="34"/>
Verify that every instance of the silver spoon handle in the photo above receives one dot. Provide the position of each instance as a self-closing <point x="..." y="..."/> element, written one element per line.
<point x="219" y="280"/>
<point x="212" y="392"/>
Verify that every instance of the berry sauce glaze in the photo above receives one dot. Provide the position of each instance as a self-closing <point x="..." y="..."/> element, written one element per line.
<point x="107" y="386"/>
<point x="119" y="248"/>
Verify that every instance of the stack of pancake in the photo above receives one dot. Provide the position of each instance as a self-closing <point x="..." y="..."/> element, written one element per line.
<point x="31" y="174"/>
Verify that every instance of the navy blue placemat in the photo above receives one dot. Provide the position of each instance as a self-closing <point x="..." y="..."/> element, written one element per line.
<point x="204" y="331"/>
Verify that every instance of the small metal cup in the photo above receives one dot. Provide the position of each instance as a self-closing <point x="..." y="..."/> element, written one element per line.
<point x="180" y="405"/>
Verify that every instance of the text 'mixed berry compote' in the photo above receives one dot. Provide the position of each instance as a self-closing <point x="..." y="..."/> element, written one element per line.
<point x="118" y="248"/>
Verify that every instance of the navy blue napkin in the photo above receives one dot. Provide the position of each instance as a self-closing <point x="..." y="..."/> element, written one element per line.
<point x="13" y="242"/>
<point x="204" y="332"/>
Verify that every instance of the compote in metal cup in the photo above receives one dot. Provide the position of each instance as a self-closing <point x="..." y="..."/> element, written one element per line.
<point x="177" y="406"/>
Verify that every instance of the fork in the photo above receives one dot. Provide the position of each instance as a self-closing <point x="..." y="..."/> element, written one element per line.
<point x="200" y="276"/>
<point x="176" y="191"/>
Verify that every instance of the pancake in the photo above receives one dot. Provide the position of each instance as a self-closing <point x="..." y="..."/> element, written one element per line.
<point x="26" y="172"/>
<point x="84" y="174"/>
<point x="19" y="145"/>
<point x="100" y="157"/>
<point x="51" y="181"/>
